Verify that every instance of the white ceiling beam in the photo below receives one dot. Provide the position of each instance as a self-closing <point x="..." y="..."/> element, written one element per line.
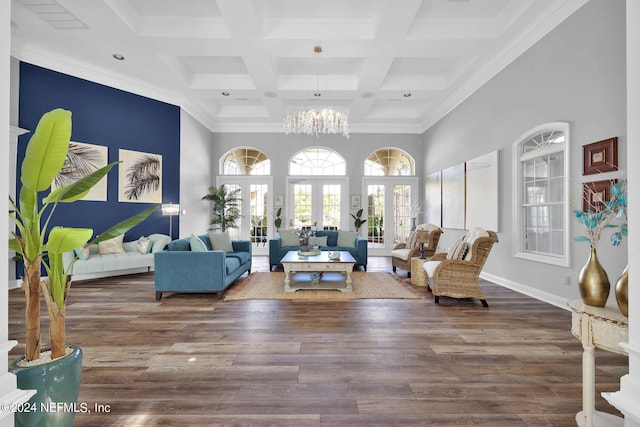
<point x="391" y="29"/>
<point x="246" y="27"/>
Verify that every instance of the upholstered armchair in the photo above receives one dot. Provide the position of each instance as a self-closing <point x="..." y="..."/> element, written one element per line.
<point x="455" y="274"/>
<point x="403" y="252"/>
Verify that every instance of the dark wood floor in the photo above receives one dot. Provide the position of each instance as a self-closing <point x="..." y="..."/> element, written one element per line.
<point x="192" y="360"/>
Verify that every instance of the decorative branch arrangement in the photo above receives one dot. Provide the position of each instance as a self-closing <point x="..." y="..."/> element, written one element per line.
<point x="599" y="214"/>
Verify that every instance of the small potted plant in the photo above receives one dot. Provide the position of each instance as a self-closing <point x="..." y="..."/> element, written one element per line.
<point x="278" y="221"/>
<point x="56" y="376"/>
<point x="357" y="219"/>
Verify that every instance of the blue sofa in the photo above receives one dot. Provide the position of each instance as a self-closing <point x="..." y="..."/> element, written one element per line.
<point x="178" y="269"/>
<point x="359" y="252"/>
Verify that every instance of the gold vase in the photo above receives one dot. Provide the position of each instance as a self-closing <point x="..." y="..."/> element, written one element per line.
<point x="593" y="282"/>
<point x="622" y="289"/>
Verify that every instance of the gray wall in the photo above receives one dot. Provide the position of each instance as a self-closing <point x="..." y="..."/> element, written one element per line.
<point x="280" y="148"/>
<point x="196" y="175"/>
<point x="575" y="74"/>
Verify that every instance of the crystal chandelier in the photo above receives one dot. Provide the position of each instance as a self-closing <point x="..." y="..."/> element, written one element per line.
<point x="314" y="121"/>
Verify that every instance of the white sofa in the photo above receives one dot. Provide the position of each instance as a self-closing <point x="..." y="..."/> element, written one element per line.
<point x="130" y="261"/>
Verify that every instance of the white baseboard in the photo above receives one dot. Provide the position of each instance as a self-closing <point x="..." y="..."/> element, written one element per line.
<point x="527" y="290"/>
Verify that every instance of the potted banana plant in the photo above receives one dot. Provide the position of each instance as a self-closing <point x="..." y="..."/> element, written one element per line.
<point x="54" y="372"/>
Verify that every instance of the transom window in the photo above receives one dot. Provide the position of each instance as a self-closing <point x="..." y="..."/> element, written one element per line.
<point x="317" y="161"/>
<point x="389" y="162"/>
<point x="541" y="194"/>
<point x="245" y="161"/>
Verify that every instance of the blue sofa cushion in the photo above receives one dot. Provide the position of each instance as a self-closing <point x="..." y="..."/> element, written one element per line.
<point x="180" y="245"/>
<point x="240" y="256"/>
<point x="232" y="264"/>
<point x="332" y="236"/>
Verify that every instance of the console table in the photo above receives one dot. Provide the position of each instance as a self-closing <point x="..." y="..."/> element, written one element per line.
<point x="604" y="328"/>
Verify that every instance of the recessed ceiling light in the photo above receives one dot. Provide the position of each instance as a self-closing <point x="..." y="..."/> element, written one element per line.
<point x="407" y="95"/>
<point x="317" y="94"/>
<point x="118" y="56"/>
<point x="225" y="93"/>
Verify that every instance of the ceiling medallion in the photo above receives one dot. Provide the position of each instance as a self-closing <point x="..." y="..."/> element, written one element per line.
<point x="314" y="121"/>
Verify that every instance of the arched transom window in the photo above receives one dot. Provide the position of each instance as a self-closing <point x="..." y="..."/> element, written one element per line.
<point x="245" y="161"/>
<point x="389" y="162"/>
<point x="317" y="161"/>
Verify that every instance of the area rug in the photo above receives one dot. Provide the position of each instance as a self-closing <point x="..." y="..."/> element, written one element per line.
<point x="373" y="285"/>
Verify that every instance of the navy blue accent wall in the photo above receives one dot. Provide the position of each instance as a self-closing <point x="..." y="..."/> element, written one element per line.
<point x="109" y="117"/>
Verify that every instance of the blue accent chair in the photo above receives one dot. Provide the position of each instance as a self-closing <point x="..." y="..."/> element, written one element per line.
<point x="178" y="269"/>
<point x="359" y="252"/>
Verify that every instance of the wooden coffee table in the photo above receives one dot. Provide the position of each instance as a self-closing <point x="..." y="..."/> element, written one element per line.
<point x="333" y="274"/>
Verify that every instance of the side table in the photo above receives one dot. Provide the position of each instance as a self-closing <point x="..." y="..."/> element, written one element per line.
<point x="604" y="328"/>
<point x="418" y="275"/>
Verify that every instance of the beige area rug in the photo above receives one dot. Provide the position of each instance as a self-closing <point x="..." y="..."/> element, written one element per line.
<point x="374" y="285"/>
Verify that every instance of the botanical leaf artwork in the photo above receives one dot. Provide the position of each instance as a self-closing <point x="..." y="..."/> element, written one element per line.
<point x="140" y="177"/>
<point x="82" y="160"/>
<point x="143" y="177"/>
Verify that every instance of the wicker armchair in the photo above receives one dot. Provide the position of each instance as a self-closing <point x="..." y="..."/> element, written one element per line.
<point x="458" y="278"/>
<point x="403" y="252"/>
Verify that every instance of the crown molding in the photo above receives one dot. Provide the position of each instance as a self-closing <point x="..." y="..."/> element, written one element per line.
<point x="73" y="67"/>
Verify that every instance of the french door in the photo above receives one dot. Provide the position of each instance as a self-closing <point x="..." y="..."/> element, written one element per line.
<point x="256" y="210"/>
<point x="319" y="203"/>
<point x="388" y="209"/>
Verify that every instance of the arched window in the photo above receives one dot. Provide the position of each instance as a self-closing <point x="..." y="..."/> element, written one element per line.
<point x="317" y="161"/>
<point x="389" y="162"/>
<point x="541" y="165"/>
<point x="245" y="161"/>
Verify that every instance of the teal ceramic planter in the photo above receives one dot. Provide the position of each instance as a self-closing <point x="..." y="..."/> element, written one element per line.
<point x="57" y="384"/>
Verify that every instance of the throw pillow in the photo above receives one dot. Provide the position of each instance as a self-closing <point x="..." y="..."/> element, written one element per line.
<point x="289" y="238"/>
<point x="458" y="251"/>
<point x="197" y="245"/>
<point x="471" y="237"/>
<point x="220" y="241"/>
<point x="347" y="239"/>
<point x="82" y="252"/>
<point x="412" y="241"/>
<point x="144" y="245"/>
<point x="318" y="241"/>
<point x="159" y="242"/>
<point x="111" y="246"/>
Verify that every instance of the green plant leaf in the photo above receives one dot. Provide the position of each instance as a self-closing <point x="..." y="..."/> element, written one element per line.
<point x="64" y="239"/>
<point x="76" y="191"/>
<point x="581" y="239"/>
<point x="124" y="226"/>
<point x="13" y="245"/>
<point x="47" y="150"/>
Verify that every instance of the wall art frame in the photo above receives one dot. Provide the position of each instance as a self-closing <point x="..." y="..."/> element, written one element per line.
<point x="355" y="201"/>
<point x="595" y="193"/>
<point x="83" y="159"/>
<point x="139" y="177"/>
<point x="600" y="156"/>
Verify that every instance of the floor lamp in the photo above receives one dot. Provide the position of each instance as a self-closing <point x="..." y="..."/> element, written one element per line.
<point x="170" y="209"/>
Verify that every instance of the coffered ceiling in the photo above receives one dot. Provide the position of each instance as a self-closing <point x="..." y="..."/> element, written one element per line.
<point x="239" y="65"/>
